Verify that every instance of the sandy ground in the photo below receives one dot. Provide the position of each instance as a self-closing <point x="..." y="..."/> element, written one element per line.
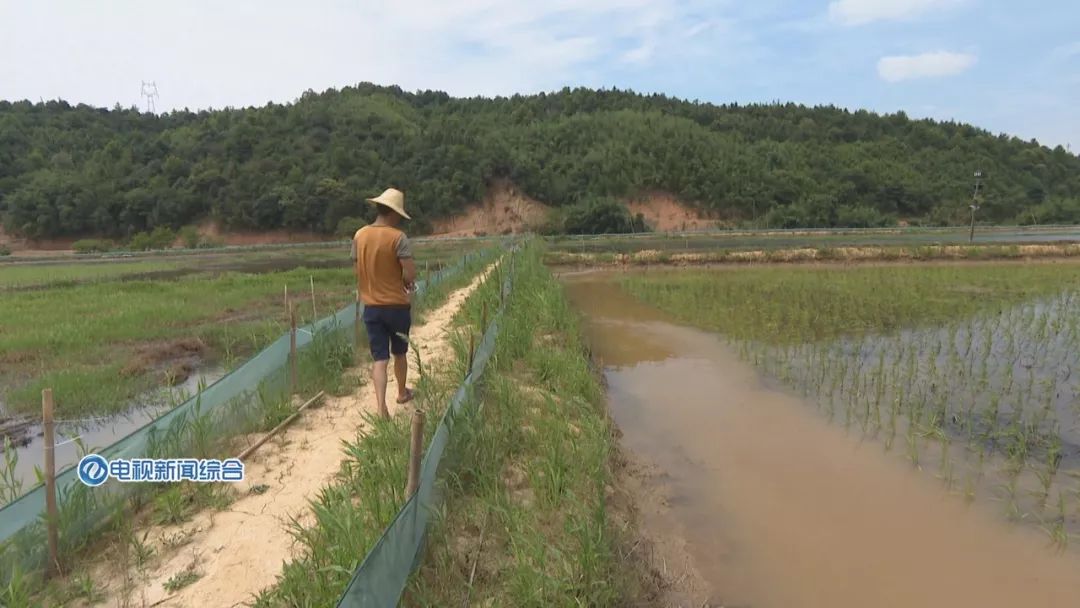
<point x="241" y="550"/>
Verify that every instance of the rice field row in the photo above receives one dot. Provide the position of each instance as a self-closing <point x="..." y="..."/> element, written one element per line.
<point x="969" y="371"/>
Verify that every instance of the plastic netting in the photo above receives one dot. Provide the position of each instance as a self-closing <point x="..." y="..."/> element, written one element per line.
<point x="382" y="575"/>
<point x="226" y="406"/>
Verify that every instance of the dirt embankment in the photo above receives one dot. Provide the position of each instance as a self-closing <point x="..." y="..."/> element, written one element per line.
<point x="953" y="253"/>
<point x="663" y="212"/>
<point x="212" y="231"/>
<point x="505" y="209"/>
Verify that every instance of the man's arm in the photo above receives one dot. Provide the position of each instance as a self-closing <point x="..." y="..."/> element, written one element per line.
<point x="408" y="266"/>
<point x="355" y="268"/>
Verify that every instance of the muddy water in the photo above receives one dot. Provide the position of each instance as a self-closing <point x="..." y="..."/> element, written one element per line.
<point x="99" y="432"/>
<point x="780" y="509"/>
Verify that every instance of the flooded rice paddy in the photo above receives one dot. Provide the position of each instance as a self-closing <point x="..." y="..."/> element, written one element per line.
<point x="789" y="467"/>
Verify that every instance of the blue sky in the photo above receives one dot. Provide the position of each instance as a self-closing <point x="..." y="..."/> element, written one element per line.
<point x="1006" y="66"/>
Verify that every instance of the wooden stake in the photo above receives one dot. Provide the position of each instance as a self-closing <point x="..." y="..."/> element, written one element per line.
<point x="53" y="567"/>
<point x="286" y="299"/>
<point x="472" y="348"/>
<point x="498" y="276"/>
<point x="314" y="314"/>
<point x="415" y="447"/>
<point x="292" y="349"/>
<point x="483" y="317"/>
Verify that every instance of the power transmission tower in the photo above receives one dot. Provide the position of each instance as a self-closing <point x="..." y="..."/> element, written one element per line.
<point x="149" y="91"/>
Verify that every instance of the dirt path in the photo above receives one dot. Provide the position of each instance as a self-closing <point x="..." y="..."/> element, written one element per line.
<point x="241" y="550"/>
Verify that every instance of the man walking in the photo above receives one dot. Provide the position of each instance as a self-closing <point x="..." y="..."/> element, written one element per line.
<point x="385" y="279"/>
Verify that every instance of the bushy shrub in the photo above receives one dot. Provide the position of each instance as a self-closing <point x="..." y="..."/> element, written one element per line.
<point x="601" y="216"/>
<point x="190" y="237"/>
<point x="347" y="226"/>
<point x="92" y="246"/>
<point x="161" y="238"/>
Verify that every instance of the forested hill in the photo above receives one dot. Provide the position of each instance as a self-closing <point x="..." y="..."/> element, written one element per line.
<point x="80" y="170"/>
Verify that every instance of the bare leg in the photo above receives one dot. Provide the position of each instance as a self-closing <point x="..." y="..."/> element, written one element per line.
<point x="378" y="374"/>
<point x="401" y="372"/>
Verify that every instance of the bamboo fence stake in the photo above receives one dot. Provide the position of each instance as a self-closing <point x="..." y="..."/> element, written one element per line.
<point x="415" y="447"/>
<point x="292" y="349"/>
<point x="53" y="567"/>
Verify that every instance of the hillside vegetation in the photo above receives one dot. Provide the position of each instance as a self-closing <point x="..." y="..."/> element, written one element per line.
<point x="77" y="170"/>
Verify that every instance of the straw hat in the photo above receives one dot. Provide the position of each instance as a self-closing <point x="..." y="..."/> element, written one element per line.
<point x="394" y="199"/>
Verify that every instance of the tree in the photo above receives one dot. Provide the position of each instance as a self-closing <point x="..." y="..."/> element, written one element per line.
<point x="77" y="171"/>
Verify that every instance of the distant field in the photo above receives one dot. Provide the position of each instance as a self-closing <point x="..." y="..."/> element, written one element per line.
<point x="25" y="274"/>
<point x="701" y="242"/>
<point x="100" y="332"/>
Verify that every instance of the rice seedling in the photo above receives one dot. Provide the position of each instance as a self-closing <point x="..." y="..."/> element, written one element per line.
<point x="943" y="356"/>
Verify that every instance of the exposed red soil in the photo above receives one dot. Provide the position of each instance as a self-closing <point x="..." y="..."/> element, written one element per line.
<point x="504" y="210"/>
<point x="212" y="231"/>
<point x="664" y="212"/>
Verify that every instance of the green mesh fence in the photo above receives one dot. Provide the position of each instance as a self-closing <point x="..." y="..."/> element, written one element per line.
<point x="227" y="407"/>
<point x="381" y="577"/>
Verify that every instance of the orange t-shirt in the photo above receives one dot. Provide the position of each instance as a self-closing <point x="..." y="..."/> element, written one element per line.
<point x="377" y="251"/>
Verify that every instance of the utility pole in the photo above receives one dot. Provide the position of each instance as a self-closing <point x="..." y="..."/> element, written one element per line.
<point x="975" y="203"/>
<point x="149" y="91"/>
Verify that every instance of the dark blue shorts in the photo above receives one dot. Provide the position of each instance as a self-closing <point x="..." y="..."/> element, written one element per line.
<point x="384" y="324"/>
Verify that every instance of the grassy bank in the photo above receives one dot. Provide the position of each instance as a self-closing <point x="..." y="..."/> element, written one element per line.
<point x="525" y="522"/>
<point x="527" y="470"/>
<point x="103" y="524"/>
<point x="965" y="370"/>
<point x="351" y="514"/>
<point x="679" y="254"/>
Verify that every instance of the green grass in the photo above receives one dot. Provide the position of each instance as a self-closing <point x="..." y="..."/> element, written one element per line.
<point x="84" y="341"/>
<point x="33" y="274"/>
<point x="351" y="514"/>
<point x="795" y="305"/>
<point x="101" y="342"/>
<point x="555" y="547"/>
<point x="526" y="473"/>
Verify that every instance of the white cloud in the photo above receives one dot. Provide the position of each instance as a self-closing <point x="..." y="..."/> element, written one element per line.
<point x="1066" y="51"/>
<point x="859" y="12"/>
<point x="528" y="45"/>
<point x="259" y="50"/>
<point x="926" y="65"/>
